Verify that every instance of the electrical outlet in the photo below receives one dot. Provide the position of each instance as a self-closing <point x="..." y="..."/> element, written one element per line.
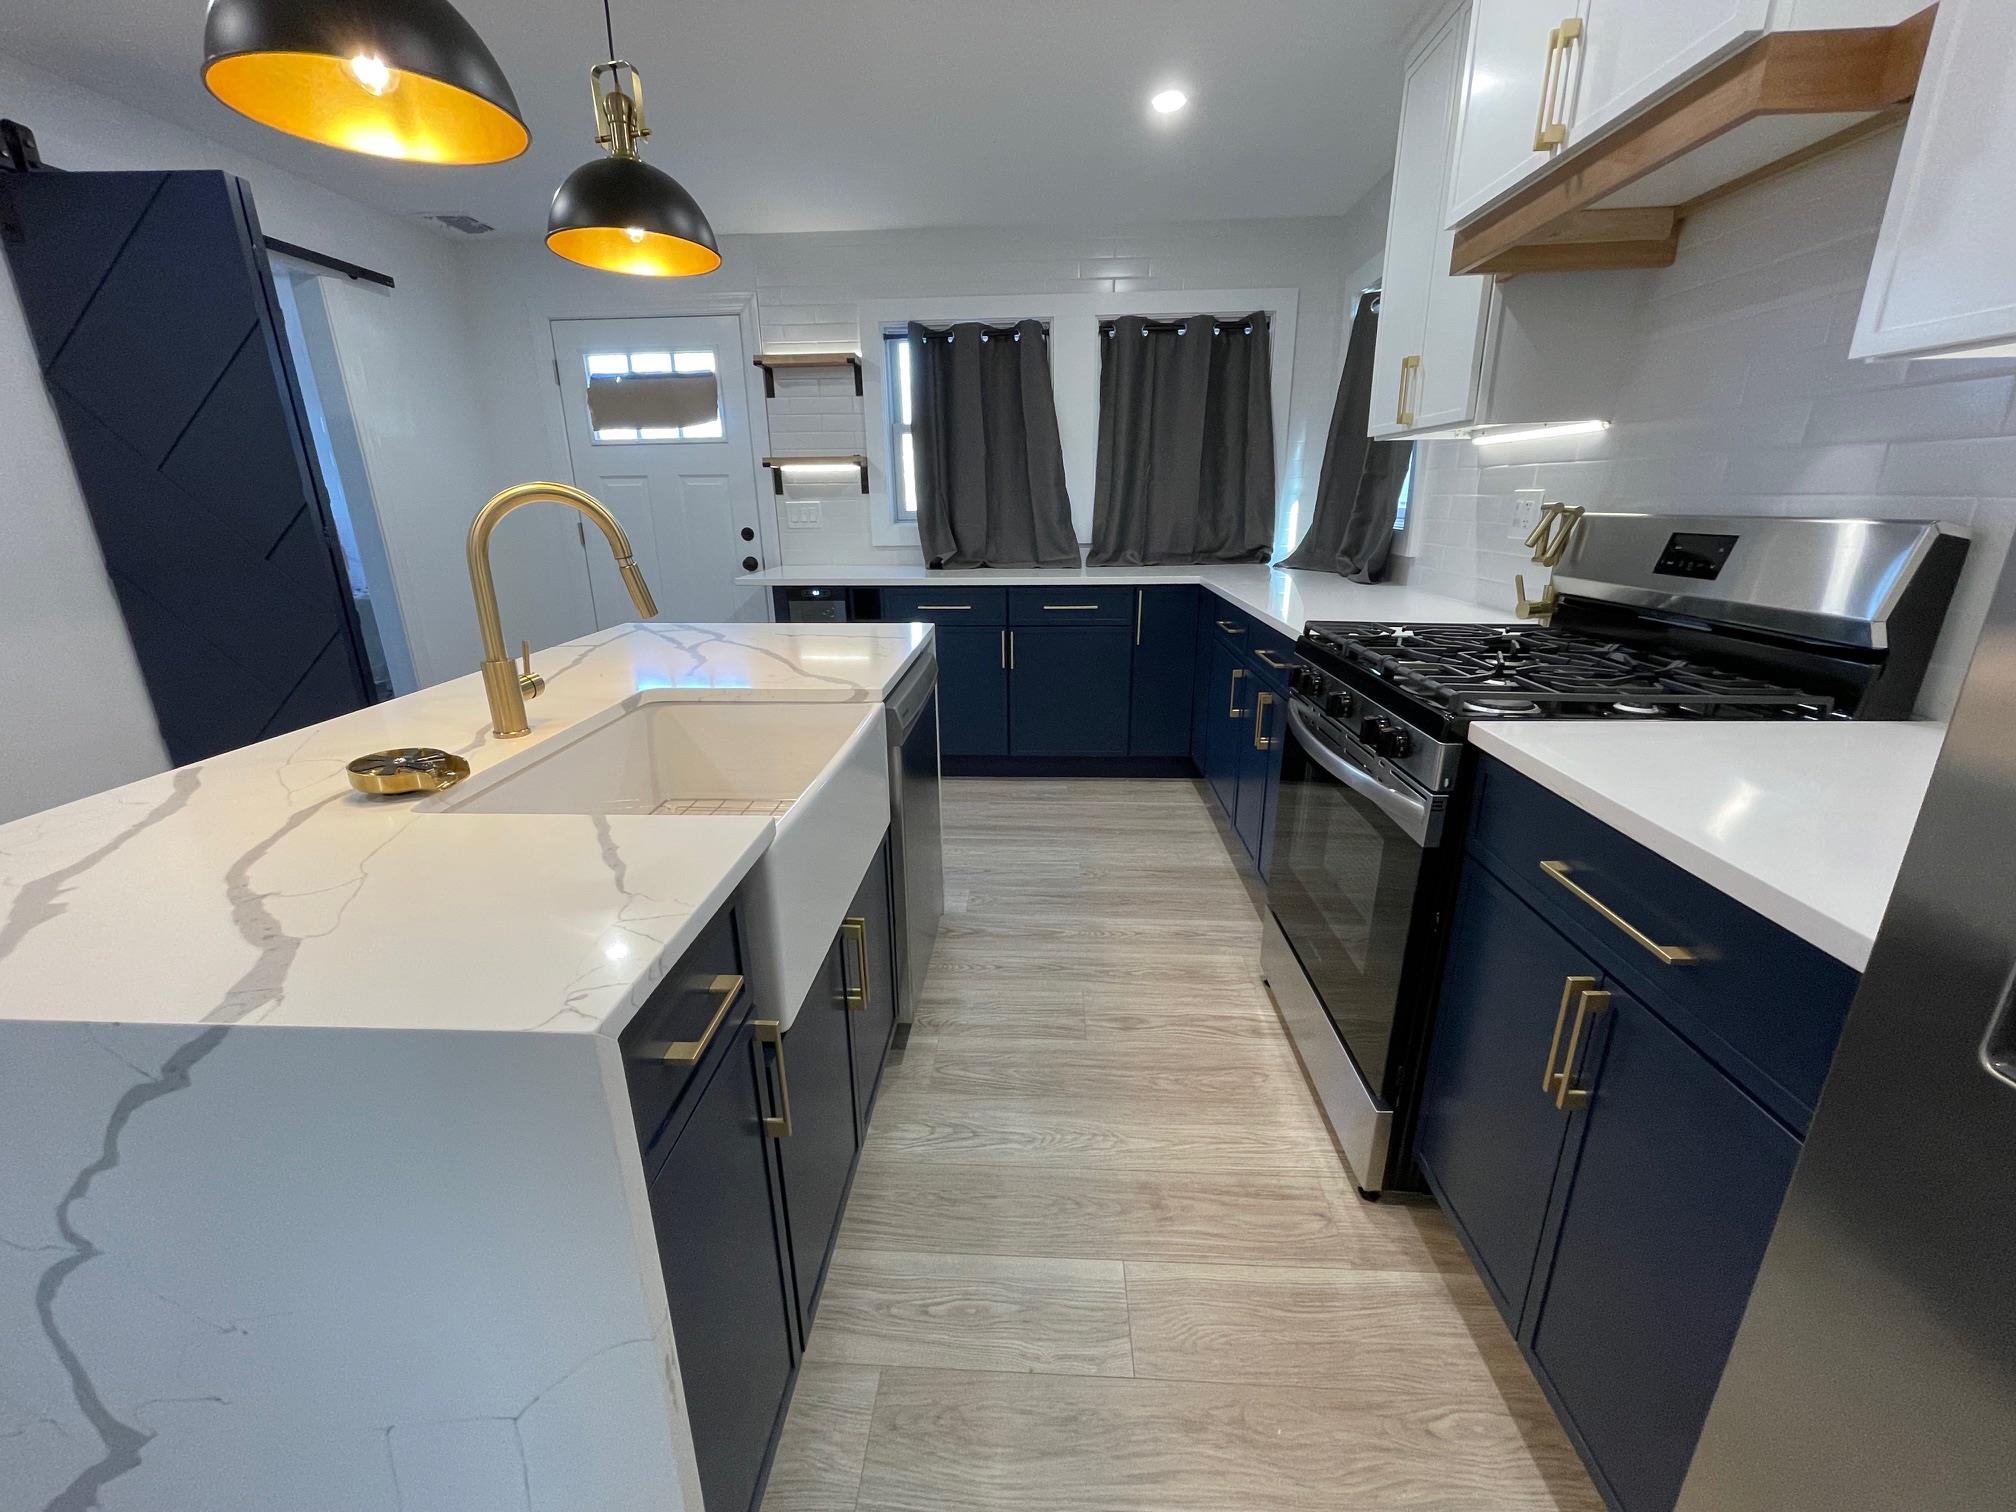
<point x="801" y="514"/>
<point x="1526" y="504"/>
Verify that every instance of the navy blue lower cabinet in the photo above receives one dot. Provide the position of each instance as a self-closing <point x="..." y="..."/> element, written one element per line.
<point x="1069" y="690"/>
<point x="1259" y="781"/>
<point x="1490" y="1138"/>
<point x="717" y="1207"/>
<point x="972" y="691"/>
<point x="1165" y="670"/>
<point x="814" y="1073"/>
<point x="1228" y="706"/>
<point x="1671" y="1202"/>
<point x="868" y="950"/>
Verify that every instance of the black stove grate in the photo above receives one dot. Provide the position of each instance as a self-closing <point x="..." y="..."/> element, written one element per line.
<point x="1512" y="672"/>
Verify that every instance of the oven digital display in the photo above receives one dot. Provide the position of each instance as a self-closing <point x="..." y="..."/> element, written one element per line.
<point x="1691" y="555"/>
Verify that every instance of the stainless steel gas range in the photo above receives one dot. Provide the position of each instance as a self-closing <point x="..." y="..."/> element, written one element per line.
<point x="1658" y="617"/>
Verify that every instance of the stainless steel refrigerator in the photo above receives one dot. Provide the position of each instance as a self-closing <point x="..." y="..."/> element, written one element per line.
<point x="1876" y="1365"/>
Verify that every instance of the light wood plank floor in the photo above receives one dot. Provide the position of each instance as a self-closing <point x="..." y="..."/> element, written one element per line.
<point x="1102" y="1253"/>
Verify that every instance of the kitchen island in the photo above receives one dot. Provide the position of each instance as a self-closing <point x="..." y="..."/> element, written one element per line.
<point x="322" y="1179"/>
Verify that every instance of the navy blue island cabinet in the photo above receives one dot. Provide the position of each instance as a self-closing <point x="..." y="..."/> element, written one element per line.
<point x="1612" y="1113"/>
<point x="750" y="1134"/>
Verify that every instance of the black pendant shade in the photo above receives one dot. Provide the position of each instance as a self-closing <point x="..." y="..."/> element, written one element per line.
<point x="624" y="216"/>
<point x="618" y="213"/>
<point x="393" y="78"/>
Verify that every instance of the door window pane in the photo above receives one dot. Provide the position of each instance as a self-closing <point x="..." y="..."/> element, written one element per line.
<point x="653" y="396"/>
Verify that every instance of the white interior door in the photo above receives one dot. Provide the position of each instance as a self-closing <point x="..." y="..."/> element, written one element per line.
<point x="658" y="429"/>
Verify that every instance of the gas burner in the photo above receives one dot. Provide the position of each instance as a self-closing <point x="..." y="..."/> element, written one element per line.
<point x="1499" y="708"/>
<point x="1638" y="710"/>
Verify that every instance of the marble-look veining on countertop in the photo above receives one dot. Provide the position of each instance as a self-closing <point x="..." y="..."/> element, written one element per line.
<point x="256" y="887"/>
<point x="255" y="1248"/>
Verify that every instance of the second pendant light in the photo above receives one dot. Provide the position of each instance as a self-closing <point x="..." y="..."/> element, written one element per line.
<point x="619" y="213"/>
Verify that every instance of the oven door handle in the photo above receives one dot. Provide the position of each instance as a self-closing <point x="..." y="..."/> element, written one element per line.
<point x="1413" y="815"/>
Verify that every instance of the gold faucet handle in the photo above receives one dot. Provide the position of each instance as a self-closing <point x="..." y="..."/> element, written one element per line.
<point x="530" y="683"/>
<point x="1541" y="609"/>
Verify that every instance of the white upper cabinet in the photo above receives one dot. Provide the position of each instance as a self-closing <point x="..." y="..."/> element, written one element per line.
<point x="1545" y="77"/>
<point x="1406" y="387"/>
<point x="1633" y="50"/>
<point x="1512" y="77"/>
<point x="1944" y="280"/>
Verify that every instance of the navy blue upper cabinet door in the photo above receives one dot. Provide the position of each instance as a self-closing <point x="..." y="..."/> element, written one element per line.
<point x="1490" y="1137"/>
<point x="1068" y="690"/>
<point x="1672" y="1199"/>
<point x="714" y="1204"/>
<point x="156" y="325"/>
<point x="1165" y="670"/>
<point x="972" y="691"/>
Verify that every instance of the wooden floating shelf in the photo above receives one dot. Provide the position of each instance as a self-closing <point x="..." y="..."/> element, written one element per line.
<point x="771" y="361"/>
<point x="778" y="464"/>
<point x="1572" y="218"/>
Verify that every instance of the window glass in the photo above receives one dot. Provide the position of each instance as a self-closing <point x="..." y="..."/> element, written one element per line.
<point x="900" y="389"/>
<point x="653" y="396"/>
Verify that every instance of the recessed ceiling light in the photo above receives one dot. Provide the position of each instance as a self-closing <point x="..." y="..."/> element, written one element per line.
<point x="1169" y="101"/>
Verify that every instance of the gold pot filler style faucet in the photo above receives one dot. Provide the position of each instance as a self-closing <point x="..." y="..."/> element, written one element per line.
<point x="503" y="684"/>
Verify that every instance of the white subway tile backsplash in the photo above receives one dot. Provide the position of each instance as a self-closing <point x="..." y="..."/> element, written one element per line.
<point x="1916" y="412"/>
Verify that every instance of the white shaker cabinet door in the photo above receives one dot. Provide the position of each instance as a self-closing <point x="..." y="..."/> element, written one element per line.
<point x="1634" y="51"/>
<point x="1414" y="234"/>
<point x="1944" y="279"/>
<point x="1514" y="79"/>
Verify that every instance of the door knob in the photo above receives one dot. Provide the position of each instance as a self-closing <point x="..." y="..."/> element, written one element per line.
<point x="748" y="534"/>
<point x="750" y="564"/>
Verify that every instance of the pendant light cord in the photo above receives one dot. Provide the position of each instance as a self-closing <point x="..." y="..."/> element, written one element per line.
<point x="609" y="28"/>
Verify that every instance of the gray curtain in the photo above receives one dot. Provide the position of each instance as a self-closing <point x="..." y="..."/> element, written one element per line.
<point x="1351" y="528"/>
<point x="1186" y="443"/>
<point x="990" y="470"/>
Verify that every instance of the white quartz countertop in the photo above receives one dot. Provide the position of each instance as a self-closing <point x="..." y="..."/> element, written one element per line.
<point x="1287" y="599"/>
<point x="1805" y="823"/>
<point x="257" y="887"/>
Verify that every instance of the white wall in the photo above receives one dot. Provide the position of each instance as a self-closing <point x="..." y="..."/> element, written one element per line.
<point x="1739" y="398"/>
<point x="62" y="621"/>
<point x="809" y="291"/>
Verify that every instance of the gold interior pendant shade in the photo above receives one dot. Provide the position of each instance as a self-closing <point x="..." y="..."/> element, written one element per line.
<point x="406" y="79"/>
<point x="620" y="214"/>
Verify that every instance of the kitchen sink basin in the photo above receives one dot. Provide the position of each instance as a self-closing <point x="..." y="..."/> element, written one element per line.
<point x="820" y="771"/>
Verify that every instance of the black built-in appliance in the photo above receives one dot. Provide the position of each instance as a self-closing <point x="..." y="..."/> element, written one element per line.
<point x="1658" y="617"/>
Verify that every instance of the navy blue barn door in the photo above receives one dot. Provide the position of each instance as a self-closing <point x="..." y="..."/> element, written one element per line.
<point x="152" y="309"/>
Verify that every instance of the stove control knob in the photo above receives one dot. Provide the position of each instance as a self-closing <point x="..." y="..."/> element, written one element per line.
<point x="1337" y="705"/>
<point x="1307" y="682"/>
<point x="1384" y="738"/>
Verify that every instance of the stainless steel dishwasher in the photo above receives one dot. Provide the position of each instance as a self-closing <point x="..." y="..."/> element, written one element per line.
<point x="918" y="848"/>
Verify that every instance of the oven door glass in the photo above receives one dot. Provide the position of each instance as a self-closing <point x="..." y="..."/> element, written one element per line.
<point x="1342" y="888"/>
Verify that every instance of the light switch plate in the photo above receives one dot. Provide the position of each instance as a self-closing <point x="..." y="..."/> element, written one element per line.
<point x="1526" y="504"/>
<point x="801" y="514"/>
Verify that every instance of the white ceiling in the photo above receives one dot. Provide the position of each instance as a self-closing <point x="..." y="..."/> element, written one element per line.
<point x="816" y="115"/>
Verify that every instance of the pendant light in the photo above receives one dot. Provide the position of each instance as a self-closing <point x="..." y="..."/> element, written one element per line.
<point x="618" y="213"/>
<point x="392" y="78"/>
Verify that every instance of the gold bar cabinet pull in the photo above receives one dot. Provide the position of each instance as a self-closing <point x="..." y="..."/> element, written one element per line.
<point x="1274" y="661"/>
<point x="727" y="992"/>
<point x="1410" y="369"/>
<point x="777" y="1126"/>
<point x="1567" y="1096"/>
<point x="1666" y="955"/>
<point x="1261" y="740"/>
<point x="1233" y="711"/>
<point x="857" y="930"/>
<point x="1571" y="987"/>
